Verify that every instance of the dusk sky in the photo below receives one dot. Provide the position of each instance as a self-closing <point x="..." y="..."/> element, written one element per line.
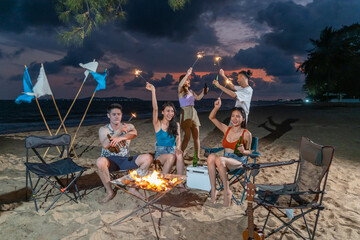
<point x="270" y="37"/>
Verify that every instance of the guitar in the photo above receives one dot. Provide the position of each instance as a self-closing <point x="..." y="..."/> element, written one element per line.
<point x="252" y="232"/>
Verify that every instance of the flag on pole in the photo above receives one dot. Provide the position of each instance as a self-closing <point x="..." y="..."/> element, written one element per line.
<point x="100" y="78"/>
<point x="90" y="66"/>
<point x="42" y="86"/>
<point x="28" y="89"/>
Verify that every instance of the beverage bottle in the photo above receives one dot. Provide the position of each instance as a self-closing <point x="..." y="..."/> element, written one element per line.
<point x="112" y="149"/>
<point x="195" y="159"/>
<point x="236" y="151"/>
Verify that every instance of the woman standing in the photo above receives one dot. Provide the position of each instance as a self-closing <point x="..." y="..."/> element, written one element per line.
<point x="167" y="135"/>
<point x="189" y="119"/>
<point x="230" y="160"/>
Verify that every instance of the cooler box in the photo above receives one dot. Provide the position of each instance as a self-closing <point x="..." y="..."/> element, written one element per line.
<point x="198" y="178"/>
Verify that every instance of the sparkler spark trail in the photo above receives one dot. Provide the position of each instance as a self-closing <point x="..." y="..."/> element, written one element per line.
<point x="138" y="73"/>
<point x="133" y="115"/>
<point x="227" y="82"/>
<point x="198" y="56"/>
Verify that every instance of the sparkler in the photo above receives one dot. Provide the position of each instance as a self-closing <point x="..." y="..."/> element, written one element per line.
<point x="133" y="115"/>
<point x="198" y="56"/>
<point x="138" y="73"/>
<point x="217" y="61"/>
<point x="228" y="81"/>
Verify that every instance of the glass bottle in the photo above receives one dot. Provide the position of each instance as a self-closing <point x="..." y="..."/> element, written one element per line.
<point x="195" y="159"/>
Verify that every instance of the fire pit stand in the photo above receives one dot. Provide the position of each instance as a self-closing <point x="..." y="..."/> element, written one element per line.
<point x="120" y="183"/>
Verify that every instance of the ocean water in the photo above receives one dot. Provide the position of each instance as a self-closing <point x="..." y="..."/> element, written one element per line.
<point x="26" y="116"/>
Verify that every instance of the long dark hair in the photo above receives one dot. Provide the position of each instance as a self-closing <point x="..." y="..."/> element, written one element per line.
<point x="186" y="91"/>
<point x="243" y="114"/>
<point x="172" y="129"/>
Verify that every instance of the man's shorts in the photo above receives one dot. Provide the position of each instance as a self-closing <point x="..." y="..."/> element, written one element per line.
<point x="122" y="163"/>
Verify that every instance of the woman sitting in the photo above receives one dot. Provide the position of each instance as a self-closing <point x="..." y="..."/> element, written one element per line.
<point x="232" y="135"/>
<point x="167" y="136"/>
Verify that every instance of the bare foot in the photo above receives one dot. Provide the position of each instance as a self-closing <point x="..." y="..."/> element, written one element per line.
<point x="227" y="198"/>
<point x="108" y="197"/>
<point x="213" y="196"/>
<point x="136" y="193"/>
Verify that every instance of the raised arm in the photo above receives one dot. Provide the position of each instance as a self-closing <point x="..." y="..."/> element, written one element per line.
<point x="151" y="88"/>
<point x="212" y="117"/>
<point x="182" y="82"/>
<point x="200" y="96"/>
<point x="226" y="90"/>
<point x="229" y="80"/>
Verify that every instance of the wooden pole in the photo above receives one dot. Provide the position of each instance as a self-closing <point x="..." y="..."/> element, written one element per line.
<point x="77" y="130"/>
<point x="43" y="117"/>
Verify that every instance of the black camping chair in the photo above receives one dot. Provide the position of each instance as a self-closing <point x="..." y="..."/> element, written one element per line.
<point x="304" y="194"/>
<point x="53" y="170"/>
<point x="236" y="174"/>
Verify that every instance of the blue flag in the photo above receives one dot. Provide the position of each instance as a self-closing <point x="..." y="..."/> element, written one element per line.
<point x="28" y="89"/>
<point x="100" y="78"/>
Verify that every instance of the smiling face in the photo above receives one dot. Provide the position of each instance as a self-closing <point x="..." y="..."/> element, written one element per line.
<point x="168" y="113"/>
<point x="115" y="116"/>
<point x="236" y="118"/>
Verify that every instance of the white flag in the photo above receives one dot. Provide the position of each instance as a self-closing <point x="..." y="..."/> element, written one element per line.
<point x="90" y="66"/>
<point x="42" y="86"/>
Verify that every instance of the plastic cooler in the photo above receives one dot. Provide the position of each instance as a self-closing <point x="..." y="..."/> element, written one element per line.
<point x="198" y="178"/>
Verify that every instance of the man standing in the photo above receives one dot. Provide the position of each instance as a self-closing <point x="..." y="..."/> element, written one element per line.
<point x="242" y="93"/>
<point x="121" y="135"/>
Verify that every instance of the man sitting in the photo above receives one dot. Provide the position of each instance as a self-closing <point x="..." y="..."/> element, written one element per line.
<point x="121" y="134"/>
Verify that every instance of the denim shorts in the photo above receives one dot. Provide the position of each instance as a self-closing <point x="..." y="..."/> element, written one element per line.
<point x="236" y="157"/>
<point x="160" y="150"/>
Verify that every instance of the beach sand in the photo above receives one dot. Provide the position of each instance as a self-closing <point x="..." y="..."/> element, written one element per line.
<point x="279" y="129"/>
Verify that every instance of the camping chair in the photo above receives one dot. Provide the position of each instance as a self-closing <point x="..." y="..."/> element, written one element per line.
<point x="239" y="172"/>
<point x="305" y="193"/>
<point x="53" y="170"/>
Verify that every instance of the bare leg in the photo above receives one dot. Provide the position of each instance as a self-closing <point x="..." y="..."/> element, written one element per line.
<point x="195" y="134"/>
<point x="221" y="166"/>
<point x="102" y="165"/>
<point x="180" y="168"/>
<point x="212" y="175"/>
<point x="187" y="135"/>
<point x="143" y="161"/>
<point x="167" y="160"/>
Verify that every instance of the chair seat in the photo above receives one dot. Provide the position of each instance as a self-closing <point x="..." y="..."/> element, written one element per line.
<point x="58" y="168"/>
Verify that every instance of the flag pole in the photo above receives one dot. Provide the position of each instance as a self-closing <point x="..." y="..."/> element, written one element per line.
<point x="62" y="122"/>
<point x="78" y="128"/>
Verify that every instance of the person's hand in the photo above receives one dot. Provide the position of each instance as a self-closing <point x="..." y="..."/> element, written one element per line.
<point x="229" y="82"/>
<point x="217" y="103"/>
<point x="116" y="140"/>
<point x="150" y="87"/>
<point x="189" y="71"/>
<point x="216" y="83"/>
<point x="178" y="151"/>
<point x="222" y="72"/>
<point x="241" y="148"/>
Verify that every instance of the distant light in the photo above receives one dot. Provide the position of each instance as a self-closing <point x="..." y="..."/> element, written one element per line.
<point x="307" y="100"/>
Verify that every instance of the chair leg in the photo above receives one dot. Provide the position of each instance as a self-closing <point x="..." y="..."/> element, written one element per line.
<point x="32" y="191"/>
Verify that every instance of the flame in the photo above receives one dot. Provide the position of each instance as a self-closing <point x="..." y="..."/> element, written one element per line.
<point x="137" y="72"/>
<point x="228" y="81"/>
<point x="200" y="54"/>
<point x="133" y="115"/>
<point x="217" y="59"/>
<point x="154" y="181"/>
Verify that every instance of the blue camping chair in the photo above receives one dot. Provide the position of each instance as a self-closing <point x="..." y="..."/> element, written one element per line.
<point x="239" y="172"/>
<point x="51" y="171"/>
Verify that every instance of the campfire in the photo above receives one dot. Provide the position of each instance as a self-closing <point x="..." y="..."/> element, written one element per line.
<point x="154" y="181"/>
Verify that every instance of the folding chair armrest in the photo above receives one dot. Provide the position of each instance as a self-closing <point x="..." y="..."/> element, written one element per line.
<point x="252" y="166"/>
<point x="254" y="154"/>
<point x="208" y="151"/>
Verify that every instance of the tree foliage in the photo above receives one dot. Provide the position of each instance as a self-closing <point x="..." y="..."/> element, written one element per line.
<point x="84" y="16"/>
<point x="333" y="65"/>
